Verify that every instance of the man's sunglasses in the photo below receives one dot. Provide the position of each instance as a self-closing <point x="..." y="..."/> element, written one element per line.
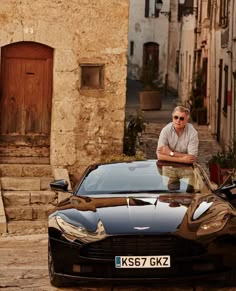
<point x="181" y="118"/>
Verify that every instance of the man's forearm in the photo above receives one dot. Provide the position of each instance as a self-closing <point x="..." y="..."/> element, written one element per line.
<point x="178" y="154"/>
<point x="178" y="158"/>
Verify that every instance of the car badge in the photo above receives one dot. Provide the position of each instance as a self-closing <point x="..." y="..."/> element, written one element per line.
<point x="141" y="227"/>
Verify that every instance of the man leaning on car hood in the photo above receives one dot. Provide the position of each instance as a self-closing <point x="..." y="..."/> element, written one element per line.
<point x="178" y="140"/>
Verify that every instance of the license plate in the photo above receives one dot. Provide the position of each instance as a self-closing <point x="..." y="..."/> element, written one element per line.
<point x="142" y="262"/>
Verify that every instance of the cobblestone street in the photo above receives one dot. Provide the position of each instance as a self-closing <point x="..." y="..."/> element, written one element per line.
<point x="23" y="266"/>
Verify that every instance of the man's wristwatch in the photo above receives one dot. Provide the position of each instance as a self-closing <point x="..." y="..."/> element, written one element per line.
<point x="172" y="154"/>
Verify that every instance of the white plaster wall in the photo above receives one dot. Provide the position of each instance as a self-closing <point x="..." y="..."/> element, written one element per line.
<point x="142" y="30"/>
<point x="187" y="46"/>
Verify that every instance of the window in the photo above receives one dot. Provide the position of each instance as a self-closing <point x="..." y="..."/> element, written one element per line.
<point x="92" y="76"/>
<point x="150" y="9"/>
<point x="131" y="48"/>
<point x="185" y="9"/>
<point x="209" y="8"/>
<point x="225" y="89"/>
<point x="223" y="13"/>
<point x="177" y="62"/>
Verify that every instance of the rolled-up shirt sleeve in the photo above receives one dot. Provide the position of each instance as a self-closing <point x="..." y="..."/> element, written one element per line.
<point x="163" y="137"/>
<point x="193" y="143"/>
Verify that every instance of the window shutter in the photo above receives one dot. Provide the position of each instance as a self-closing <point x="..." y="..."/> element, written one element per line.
<point x="146" y="8"/>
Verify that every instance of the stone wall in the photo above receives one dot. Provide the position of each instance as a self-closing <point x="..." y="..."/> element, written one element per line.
<point x="86" y="124"/>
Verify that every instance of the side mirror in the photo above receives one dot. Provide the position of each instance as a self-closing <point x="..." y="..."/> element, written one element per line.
<point x="226" y="191"/>
<point x="59" y="185"/>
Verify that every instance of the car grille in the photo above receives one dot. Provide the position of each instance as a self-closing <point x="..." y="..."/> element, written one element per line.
<point x="141" y="246"/>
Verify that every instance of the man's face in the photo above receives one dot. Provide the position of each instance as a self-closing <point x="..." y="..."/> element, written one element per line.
<point x="179" y="119"/>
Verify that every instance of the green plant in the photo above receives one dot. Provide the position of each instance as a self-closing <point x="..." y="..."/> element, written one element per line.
<point x="224" y="159"/>
<point x="133" y="130"/>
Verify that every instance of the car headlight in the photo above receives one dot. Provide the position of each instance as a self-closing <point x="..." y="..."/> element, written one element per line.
<point x="213" y="225"/>
<point x="78" y="231"/>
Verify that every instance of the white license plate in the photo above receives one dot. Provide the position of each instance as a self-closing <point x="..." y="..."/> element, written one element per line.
<point x="142" y="262"/>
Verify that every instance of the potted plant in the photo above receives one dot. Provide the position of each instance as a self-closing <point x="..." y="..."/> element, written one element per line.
<point x="221" y="165"/>
<point x="133" y="129"/>
<point x="149" y="97"/>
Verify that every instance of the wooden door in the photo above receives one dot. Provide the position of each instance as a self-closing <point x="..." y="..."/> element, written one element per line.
<point x="150" y="63"/>
<point x="26" y="101"/>
<point x="151" y="55"/>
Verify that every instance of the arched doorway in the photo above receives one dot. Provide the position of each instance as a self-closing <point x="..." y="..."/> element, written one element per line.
<point x="26" y="102"/>
<point x="151" y="55"/>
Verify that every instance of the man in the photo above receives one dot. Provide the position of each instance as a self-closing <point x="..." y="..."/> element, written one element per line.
<point x="178" y="140"/>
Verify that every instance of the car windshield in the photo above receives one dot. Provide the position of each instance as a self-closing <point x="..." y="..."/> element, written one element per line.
<point x="135" y="177"/>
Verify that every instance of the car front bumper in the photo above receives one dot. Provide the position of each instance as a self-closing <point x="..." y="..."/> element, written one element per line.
<point x="76" y="261"/>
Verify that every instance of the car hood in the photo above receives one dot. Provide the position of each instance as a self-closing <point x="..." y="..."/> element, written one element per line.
<point x="147" y="214"/>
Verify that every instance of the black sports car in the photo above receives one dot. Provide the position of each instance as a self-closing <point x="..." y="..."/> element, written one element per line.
<point x="143" y="221"/>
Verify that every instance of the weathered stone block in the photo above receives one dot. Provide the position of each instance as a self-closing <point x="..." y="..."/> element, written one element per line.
<point x="19" y="213"/>
<point x="27" y="227"/>
<point x="43" y="197"/>
<point x="40" y="213"/>
<point x="10" y="170"/>
<point x="45" y="183"/>
<point x="37" y="170"/>
<point x="17" y="198"/>
<point x="20" y="183"/>
<point x="63" y="146"/>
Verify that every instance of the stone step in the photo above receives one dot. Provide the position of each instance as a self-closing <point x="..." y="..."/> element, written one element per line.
<point x="28" y="213"/>
<point x="28" y="205"/>
<point x="25" y="198"/>
<point x="25" y="183"/>
<point x="25" y="170"/>
<point x="27" y="227"/>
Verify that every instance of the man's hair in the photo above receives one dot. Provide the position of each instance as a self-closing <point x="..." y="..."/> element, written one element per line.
<point x="182" y="109"/>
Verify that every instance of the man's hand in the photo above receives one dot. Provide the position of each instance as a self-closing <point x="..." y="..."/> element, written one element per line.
<point x="189" y="159"/>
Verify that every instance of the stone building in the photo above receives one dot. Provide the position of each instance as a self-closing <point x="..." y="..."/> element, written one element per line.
<point x="212" y="87"/>
<point x="63" y="81"/>
<point x="63" y="95"/>
<point x="153" y="37"/>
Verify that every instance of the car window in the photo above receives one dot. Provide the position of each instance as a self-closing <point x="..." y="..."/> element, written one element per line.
<point x="113" y="178"/>
<point x="141" y="177"/>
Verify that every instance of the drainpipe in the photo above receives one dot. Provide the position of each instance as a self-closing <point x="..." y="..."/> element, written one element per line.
<point x="230" y="127"/>
<point x="234" y="116"/>
<point x="180" y="61"/>
<point x="214" y="74"/>
<point x="233" y="60"/>
<point x="195" y="5"/>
